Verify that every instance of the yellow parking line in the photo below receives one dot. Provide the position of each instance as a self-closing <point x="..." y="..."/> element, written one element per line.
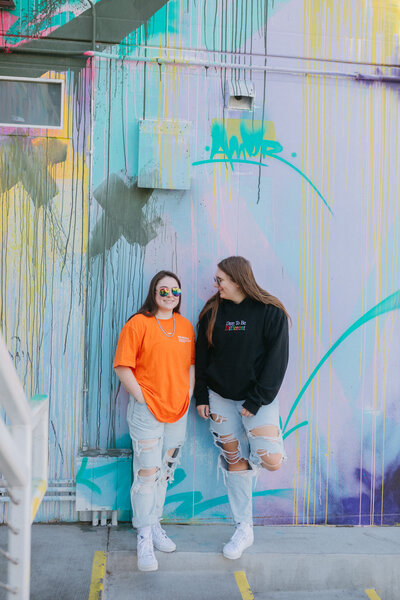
<point x="372" y="595"/>
<point x="98" y="574"/>
<point x="243" y="585"/>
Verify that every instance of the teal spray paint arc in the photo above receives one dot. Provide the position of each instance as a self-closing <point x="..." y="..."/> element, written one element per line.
<point x="389" y="304"/>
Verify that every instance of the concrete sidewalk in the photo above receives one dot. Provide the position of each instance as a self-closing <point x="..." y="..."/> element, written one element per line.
<point x="285" y="562"/>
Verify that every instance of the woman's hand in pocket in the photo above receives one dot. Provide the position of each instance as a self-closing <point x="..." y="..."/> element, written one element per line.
<point x="140" y="398"/>
<point x="203" y="410"/>
<point x="246" y="413"/>
<point x="130" y="383"/>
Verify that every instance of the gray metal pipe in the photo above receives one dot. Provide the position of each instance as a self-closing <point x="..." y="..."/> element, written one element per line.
<point x="92" y="4"/>
<point x="217" y="65"/>
<point x="289" y="71"/>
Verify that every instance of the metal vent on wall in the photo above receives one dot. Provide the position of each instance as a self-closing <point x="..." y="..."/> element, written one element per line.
<point x="239" y="95"/>
<point x="164" y="156"/>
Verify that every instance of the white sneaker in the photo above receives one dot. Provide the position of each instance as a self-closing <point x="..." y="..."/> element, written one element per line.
<point x="241" y="539"/>
<point x="145" y="553"/>
<point x="160" y="539"/>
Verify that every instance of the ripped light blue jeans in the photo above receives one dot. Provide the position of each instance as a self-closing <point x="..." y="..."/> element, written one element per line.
<point x="151" y="441"/>
<point x="257" y="439"/>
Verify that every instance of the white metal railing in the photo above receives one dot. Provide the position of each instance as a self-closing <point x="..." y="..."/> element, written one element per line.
<point x="23" y="464"/>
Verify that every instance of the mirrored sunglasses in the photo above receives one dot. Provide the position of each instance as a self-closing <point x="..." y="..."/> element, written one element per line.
<point x="164" y="291"/>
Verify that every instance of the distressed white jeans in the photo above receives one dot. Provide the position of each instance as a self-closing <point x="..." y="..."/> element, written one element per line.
<point x="247" y="437"/>
<point x="152" y="443"/>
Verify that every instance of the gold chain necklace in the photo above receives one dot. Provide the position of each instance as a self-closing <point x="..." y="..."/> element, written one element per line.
<point x="173" y="328"/>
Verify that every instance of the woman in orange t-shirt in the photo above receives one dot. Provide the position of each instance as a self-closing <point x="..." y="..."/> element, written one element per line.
<point x="155" y="363"/>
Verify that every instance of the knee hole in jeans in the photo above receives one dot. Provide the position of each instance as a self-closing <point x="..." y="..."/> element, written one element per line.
<point x="229" y="447"/>
<point x="172" y="455"/>
<point x="145" y="480"/>
<point x="171" y="459"/>
<point x="146" y="445"/>
<point x="147" y="472"/>
<point x="268" y="432"/>
<point x="271" y="462"/>
<point x="217" y="418"/>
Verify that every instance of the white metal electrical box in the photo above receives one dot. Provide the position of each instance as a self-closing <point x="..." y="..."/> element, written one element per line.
<point x="164" y="155"/>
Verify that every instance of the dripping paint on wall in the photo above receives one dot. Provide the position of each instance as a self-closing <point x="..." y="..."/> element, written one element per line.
<point x="305" y="184"/>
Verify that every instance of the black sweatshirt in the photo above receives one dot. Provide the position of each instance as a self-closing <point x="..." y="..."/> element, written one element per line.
<point x="249" y="355"/>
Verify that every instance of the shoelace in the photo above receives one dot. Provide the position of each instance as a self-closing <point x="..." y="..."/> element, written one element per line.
<point x="159" y="531"/>
<point x="239" y="535"/>
<point x="146" y="545"/>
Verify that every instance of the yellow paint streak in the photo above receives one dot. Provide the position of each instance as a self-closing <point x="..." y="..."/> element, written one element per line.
<point x="66" y="131"/>
<point x="385" y="22"/>
<point x="327" y="222"/>
<point x="362" y="227"/>
<point x="317" y="11"/>
<point x="243" y="585"/>
<point x="232" y="127"/>
<point x="303" y="367"/>
<point x="98" y="576"/>
<point x="301" y="311"/>
<point x="321" y="21"/>
<point x="357" y="30"/>
<point x="38" y="491"/>
<point x="378" y="228"/>
<point x="362" y="32"/>
<point x="372" y="595"/>
<point x="385" y="176"/>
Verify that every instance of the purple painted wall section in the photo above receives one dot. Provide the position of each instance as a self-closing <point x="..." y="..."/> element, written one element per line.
<point x="305" y="185"/>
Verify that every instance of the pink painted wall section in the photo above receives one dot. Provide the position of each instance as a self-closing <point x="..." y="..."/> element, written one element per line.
<point x="6" y="20"/>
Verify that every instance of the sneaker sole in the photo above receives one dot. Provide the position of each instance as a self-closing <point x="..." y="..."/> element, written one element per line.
<point x="231" y="557"/>
<point x="150" y="568"/>
<point x="164" y="549"/>
<point x="235" y="556"/>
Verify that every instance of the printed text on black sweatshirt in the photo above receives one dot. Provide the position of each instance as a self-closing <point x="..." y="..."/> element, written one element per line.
<point x="249" y="355"/>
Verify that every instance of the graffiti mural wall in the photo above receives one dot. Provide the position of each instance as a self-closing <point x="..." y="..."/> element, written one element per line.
<point x="194" y="130"/>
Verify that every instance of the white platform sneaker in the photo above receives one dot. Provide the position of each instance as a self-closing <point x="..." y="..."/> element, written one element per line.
<point x="160" y="539"/>
<point x="241" y="539"/>
<point x="145" y="551"/>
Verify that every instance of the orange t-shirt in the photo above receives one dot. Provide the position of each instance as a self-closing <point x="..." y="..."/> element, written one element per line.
<point x="159" y="363"/>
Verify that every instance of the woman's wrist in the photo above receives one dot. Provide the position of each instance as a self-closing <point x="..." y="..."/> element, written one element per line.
<point x="140" y="398"/>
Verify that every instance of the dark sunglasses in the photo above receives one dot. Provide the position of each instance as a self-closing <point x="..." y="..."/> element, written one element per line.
<point x="164" y="291"/>
<point x="217" y="280"/>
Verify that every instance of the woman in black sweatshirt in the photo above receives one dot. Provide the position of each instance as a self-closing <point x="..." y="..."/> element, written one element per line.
<point x="241" y="359"/>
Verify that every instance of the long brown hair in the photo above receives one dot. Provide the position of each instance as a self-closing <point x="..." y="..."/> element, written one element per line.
<point x="240" y="272"/>
<point x="149" y="306"/>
